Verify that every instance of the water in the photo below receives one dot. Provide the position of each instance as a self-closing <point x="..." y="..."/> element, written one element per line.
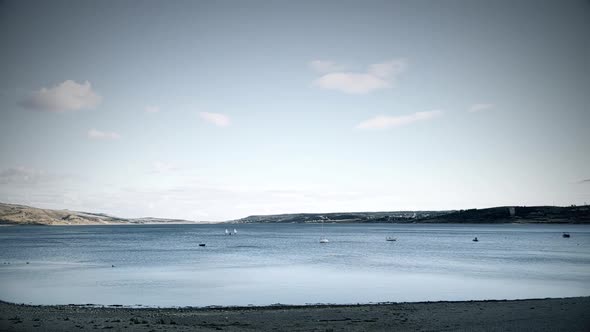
<point x="162" y="265"/>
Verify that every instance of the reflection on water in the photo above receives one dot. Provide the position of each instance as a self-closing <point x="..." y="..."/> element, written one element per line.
<point x="266" y="264"/>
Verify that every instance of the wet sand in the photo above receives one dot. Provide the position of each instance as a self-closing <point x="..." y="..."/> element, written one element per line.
<point x="569" y="314"/>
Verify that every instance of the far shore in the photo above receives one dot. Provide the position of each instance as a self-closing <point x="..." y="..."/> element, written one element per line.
<point x="559" y="314"/>
<point x="236" y="224"/>
<point x="27" y="215"/>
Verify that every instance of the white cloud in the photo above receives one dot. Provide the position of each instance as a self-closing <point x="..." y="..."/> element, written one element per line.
<point x="67" y="96"/>
<point x="151" y="109"/>
<point x="104" y="135"/>
<point x="384" y="121"/>
<point x="480" y="107"/>
<point x="378" y="76"/>
<point x="218" y="119"/>
<point x="325" y="66"/>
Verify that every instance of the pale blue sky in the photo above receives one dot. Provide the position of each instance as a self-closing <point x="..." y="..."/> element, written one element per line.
<point x="214" y="110"/>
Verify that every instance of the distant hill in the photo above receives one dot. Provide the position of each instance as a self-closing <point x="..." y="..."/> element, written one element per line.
<point x="518" y="214"/>
<point x="495" y="215"/>
<point x="25" y="215"/>
<point x="343" y="217"/>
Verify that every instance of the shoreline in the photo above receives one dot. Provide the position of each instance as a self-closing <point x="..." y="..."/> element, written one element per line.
<point x="548" y="314"/>
<point x="508" y="222"/>
<point x="272" y="306"/>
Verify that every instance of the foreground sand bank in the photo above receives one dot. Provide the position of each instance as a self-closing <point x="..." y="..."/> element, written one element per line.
<point x="569" y="314"/>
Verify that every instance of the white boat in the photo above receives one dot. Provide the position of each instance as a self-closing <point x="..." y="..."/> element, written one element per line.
<point x="235" y="231"/>
<point x="226" y="232"/>
<point x="390" y="238"/>
<point x="323" y="239"/>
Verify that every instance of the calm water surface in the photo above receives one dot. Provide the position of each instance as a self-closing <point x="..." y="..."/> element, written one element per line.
<point x="162" y="265"/>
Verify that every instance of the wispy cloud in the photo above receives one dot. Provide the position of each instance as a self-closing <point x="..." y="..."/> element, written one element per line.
<point x="325" y="66"/>
<point x="163" y="167"/>
<point x="378" y="76"/>
<point x="352" y="83"/>
<point x="480" y="107"/>
<point x="385" y="121"/>
<point x="218" y="119"/>
<point x="27" y="176"/>
<point x="102" y="135"/>
<point x="19" y="175"/>
<point x="192" y="200"/>
<point x="66" y="96"/>
<point x="389" y="69"/>
<point x="151" y="109"/>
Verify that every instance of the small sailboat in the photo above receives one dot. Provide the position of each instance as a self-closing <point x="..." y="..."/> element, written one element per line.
<point x="227" y="232"/>
<point x="390" y="238"/>
<point x="475" y="239"/>
<point x="235" y="231"/>
<point x="323" y="239"/>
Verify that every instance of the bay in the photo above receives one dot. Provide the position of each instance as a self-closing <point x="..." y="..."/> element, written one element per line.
<point x="163" y="265"/>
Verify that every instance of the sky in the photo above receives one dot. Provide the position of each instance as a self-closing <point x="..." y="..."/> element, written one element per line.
<point x="215" y="110"/>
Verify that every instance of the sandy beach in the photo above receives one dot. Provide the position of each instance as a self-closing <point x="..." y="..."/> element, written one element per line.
<point x="567" y="314"/>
